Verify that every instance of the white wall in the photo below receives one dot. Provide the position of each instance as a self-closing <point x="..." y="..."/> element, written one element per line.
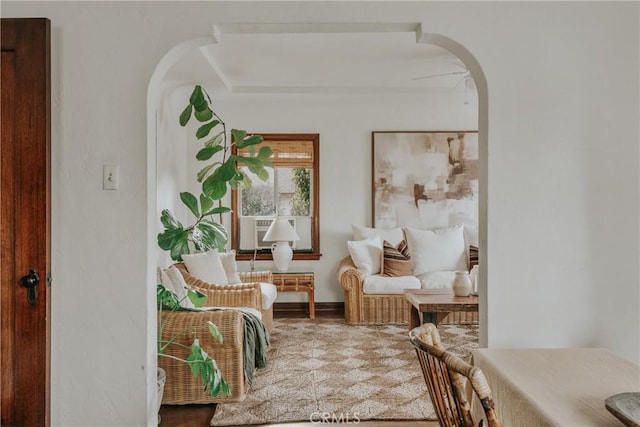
<point x="563" y="191"/>
<point x="344" y="124"/>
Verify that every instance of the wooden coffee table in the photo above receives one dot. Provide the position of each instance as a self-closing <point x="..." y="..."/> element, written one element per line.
<point x="433" y="305"/>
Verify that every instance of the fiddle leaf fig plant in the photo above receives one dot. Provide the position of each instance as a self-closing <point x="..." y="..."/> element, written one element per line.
<point x="217" y="176"/>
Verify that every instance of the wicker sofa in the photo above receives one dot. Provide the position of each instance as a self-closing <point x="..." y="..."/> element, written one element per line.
<point x="363" y="308"/>
<point x="181" y="386"/>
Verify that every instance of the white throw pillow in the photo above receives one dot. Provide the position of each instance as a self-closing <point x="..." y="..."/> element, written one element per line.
<point x="391" y="235"/>
<point x="269" y="294"/>
<point x="366" y="255"/>
<point x="437" y="250"/>
<point x="228" y="260"/>
<point x="437" y="279"/>
<point x="177" y="285"/>
<point x="206" y="266"/>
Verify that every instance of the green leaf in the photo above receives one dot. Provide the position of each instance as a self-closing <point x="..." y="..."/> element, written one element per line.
<point x="213" y="187"/>
<point x="263" y="174"/>
<point x="197" y="97"/>
<point x="218" y="210"/>
<point x="213" y="235"/>
<point x="254" y="164"/>
<point x="214" y="331"/>
<point x="238" y="136"/>
<point x="207" y="152"/>
<point x="265" y="152"/>
<point x="206" y="128"/>
<point x="185" y="116"/>
<point x="206" y="204"/>
<point x="225" y="387"/>
<point x="227" y="171"/>
<point x="175" y="241"/>
<point x="248" y="141"/>
<point x="216" y="389"/>
<point x="204" y="172"/>
<point x="168" y="220"/>
<point x="196" y="297"/>
<point x="204" y="115"/>
<point x="166" y="298"/>
<point x="191" y="202"/>
<point x="216" y="140"/>
<point x="169" y="237"/>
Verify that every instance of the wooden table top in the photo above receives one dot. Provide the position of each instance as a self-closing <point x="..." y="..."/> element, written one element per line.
<point x="556" y="386"/>
<point x="440" y="300"/>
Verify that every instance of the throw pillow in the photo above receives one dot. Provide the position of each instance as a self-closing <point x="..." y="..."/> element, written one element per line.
<point x="206" y="266"/>
<point x="396" y="260"/>
<point x="366" y="255"/>
<point x="437" y="250"/>
<point x="473" y="256"/>
<point x="228" y="260"/>
<point x="392" y="235"/>
<point x="178" y="286"/>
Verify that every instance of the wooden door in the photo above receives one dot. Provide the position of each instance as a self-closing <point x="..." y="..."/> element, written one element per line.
<point x="24" y="221"/>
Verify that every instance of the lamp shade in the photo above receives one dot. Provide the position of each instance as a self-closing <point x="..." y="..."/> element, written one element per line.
<point x="280" y="230"/>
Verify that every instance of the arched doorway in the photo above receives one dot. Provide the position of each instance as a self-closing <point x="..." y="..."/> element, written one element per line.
<point x="158" y="86"/>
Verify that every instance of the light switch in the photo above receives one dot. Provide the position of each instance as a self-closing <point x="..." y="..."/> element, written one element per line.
<point x="110" y="177"/>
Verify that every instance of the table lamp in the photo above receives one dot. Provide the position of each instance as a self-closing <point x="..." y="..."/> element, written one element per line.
<point x="281" y="232"/>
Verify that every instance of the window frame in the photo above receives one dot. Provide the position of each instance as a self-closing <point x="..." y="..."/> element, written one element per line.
<point x="264" y="255"/>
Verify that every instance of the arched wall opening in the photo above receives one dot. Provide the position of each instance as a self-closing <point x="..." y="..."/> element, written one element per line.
<point x="155" y="92"/>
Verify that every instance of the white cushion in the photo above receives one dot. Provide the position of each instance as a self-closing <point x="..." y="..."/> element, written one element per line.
<point x="176" y="284"/>
<point x="269" y="294"/>
<point x="206" y="266"/>
<point x="437" y="279"/>
<point x="377" y="284"/>
<point x="366" y="255"/>
<point x="471" y="235"/>
<point x="437" y="250"/>
<point x="391" y="235"/>
<point x="228" y="260"/>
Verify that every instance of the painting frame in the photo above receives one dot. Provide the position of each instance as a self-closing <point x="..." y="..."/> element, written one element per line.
<point x="424" y="179"/>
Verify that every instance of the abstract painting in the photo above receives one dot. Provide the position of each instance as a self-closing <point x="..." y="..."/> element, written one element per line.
<point x="425" y="179"/>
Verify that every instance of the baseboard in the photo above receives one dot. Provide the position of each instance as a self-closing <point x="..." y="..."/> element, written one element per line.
<point x="301" y="309"/>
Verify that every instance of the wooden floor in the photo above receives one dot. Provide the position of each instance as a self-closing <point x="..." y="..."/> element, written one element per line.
<point x="200" y="415"/>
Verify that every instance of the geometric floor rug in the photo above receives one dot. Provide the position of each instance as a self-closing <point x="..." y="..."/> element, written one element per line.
<point x="325" y="369"/>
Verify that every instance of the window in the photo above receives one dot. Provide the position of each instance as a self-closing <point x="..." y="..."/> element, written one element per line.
<point x="291" y="191"/>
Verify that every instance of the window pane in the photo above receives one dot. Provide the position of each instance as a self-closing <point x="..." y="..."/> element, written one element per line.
<point x="259" y="199"/>
<point x="294" y="191"/>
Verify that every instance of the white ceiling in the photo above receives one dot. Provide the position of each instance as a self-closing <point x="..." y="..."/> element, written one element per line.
<point x="304" y="58"/>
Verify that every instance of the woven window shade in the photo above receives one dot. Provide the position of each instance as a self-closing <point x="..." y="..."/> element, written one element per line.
<point x="288" y="154"/>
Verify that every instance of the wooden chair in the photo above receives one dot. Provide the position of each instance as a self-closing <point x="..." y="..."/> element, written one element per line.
<point x="447" y="377"/>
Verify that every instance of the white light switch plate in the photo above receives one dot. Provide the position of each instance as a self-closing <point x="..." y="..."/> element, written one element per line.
<point x="110" y="177"/>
